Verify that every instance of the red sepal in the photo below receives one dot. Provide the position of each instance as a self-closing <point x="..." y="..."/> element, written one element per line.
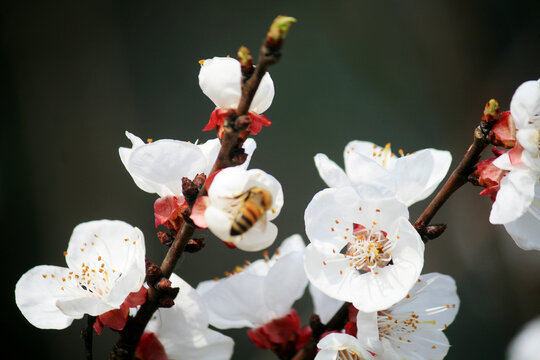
<point x="168" y="210"/>
<point x="282" y="334"/>
<point x="503" y="133"/>
<point x="150" y="348"/>
<point x="116" y="319"/>
<point x="218" y="117"/>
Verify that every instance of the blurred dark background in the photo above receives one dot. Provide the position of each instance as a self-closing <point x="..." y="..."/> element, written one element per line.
<point x="75" y="75"/>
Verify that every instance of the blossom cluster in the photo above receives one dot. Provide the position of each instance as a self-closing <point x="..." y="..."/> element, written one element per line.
<point x="512" y="176"/>
<point x="363" y="252"/>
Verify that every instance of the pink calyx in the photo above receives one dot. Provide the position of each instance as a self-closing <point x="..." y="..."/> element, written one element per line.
<point x="150" y="348"/>
<point x="218" y="117"/>
<point x="503" y="133"/>
<point x="116" y="319"/>
<point x="168" y="211"/>
<point x="281" y="335"/>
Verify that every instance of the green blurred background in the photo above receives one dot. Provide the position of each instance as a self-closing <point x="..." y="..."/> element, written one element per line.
<point x="76" y="75"/>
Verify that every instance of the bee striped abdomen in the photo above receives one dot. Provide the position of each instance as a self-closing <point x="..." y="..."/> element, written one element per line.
<point x="255" y="203"/>
<point x="245" y="219"/>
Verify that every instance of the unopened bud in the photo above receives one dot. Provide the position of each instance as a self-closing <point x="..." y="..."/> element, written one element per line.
<point x="491" y="112"/>
<point x="279" y="29"/>
<point x="433" y="231"/>
<point x="164" y="238"/>
<point x="163" y="284"/>
<point x="153" y="273"/>
<point x="246" y="60"/>
<point x="194" y="245"/>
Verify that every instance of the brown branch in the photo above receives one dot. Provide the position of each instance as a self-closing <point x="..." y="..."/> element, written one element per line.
<point x="338" y="321"/>
<point x="235" y="124"/>
<point x="460" y="176"/>
<point x="87" y="334"/>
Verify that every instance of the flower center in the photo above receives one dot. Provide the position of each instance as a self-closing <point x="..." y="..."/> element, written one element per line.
<point x="369" y="249"/>
<point x="348" y="355"/>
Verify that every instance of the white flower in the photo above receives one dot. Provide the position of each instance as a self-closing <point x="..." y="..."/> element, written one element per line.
<point x="220" y="79"/>
<point x="158" y="166"/>
<point x="183" y="329"/>
<point x="525" y="109"/>
<point x="525" y="345"/>
<point x="338" y="346"/>
<point x="363" y="249"/>
<point x="517" y="203"/>
<point x="411" y="178"/>
<point x="413" y="328"/>
<point x="230" y="191"/>
<point x="260" y="292"/>
<point x="106" y="262"/>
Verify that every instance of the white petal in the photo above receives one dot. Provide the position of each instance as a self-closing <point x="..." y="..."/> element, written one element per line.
<point x="525" y="103"/>
<point x="220" y="80"/>
<point x="330" y="172"/>
<point x="366" y="171"/>
<point x="420" y="173"/>
<point x="368" y="331"/>
<point x="182" y="329"/>
<point x="237" y="301"/>
<point x="434" y="299"/>
<point x="200" y="345"/>
<point x="529" y="139"/>
<point x="163" y="163"/>
<point x="258" y="238"/>
<point x="336" y="342"/>
<point x="326" y="355"/>
<point x="36" y="294"/>
<point x="284" y="284"/>
<point x="264" y="95"/>
<point x="524" y="231"/>
<point x="514" y="197"/>
<point x="324" y="305"/>
<point x="525" y="345"/>
<point x="423" y="344"/>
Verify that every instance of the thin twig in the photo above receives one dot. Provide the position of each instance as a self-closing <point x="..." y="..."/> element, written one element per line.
<point x="458" y="178"/>
<point x="132" y="332"/>
<point x="87" y="334"/>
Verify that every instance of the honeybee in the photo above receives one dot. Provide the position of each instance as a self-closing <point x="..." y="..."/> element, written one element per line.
<point x="253" y="206"/>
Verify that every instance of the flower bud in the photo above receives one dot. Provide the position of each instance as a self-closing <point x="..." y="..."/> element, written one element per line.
<point x="491" y="112"/>
<point x="279" y="29"/>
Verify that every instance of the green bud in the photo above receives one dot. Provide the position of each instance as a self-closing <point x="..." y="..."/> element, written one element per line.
<point x="245" y="58"/>
<point x="280" y="27"/>
<point x="491" y="111"/>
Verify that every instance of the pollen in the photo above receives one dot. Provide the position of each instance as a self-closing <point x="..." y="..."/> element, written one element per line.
<point x="65" y="253"/>
<point x="324" y="263"/>
<point x="44" y="276"/>
<point x="201" y="62"/>
<point x="126" y="240"/>
<point x="340" y="272"/>
<point x="337" y="221"/>
<point x="149" y="140"/>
